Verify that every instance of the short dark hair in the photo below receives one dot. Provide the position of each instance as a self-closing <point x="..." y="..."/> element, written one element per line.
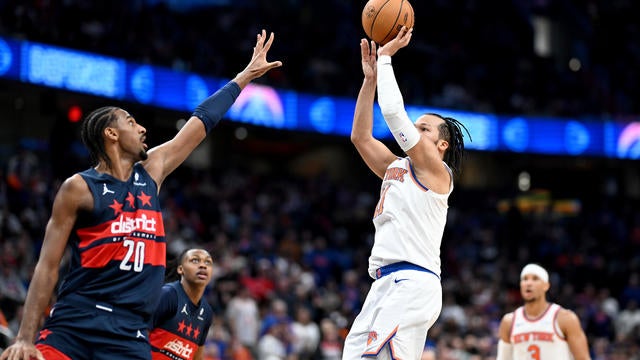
<point x="92" y="129"/>
<point x="451" y="131"/>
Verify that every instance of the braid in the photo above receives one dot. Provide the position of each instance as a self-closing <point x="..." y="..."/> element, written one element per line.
<point x="172" y="266"/>
<point x="92" y="129"/>
<point x="451" y="131"/>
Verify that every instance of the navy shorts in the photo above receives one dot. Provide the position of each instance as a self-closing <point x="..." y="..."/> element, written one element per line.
<point x="86" y="330"/>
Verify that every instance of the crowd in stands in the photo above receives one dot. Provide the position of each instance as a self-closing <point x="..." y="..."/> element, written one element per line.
<point x="472" y="55"/>
<point x="291" y="253"/>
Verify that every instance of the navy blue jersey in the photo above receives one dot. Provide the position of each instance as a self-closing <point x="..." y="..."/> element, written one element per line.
<point x="179" y="326"/>
<point x="118" y="250"/>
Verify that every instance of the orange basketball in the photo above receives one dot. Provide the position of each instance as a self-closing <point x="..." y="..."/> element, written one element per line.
<point x="383" y="19"/>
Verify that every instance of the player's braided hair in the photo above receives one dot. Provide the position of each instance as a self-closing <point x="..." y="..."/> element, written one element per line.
<point x="172" y="266"/>
<point x="451" y="131"/>
<point x="92" y="129"/>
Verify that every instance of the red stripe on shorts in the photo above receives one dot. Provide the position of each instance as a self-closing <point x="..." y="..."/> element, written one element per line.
<point x="51" y="353"/>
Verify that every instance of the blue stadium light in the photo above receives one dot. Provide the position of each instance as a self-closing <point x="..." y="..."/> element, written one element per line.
<point x="265" y="106"/>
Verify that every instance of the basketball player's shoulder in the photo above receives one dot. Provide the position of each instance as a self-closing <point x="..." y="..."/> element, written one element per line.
<point x="506" y="323"/>
<point x="75" y="188"/>
<point x="508" y="318"/>
<point x="567" y="315"/>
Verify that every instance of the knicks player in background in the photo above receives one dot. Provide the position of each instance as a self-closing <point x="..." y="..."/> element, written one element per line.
<point x="540" y="329"/>
<point x="182" y="319"/>
<point x="110" y="217"/>
<point x="406" y="298"/>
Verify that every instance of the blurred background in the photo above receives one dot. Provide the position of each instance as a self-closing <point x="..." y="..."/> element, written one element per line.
<point x="281" y="198"/>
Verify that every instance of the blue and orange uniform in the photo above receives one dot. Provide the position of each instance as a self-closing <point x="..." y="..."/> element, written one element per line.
<point x="115" y="274"/>
<point x="179" y="325"/>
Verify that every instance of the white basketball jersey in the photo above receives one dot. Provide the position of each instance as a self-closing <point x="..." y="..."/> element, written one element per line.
<point x="540" y="338"/>
<point x="409" y="220"/>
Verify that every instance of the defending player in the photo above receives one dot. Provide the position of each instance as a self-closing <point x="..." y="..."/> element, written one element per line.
<point x="110" y="217"/>
<point x="182" y="319"/>
<point x="539" y="329"/>
<point x="406" y="297"/>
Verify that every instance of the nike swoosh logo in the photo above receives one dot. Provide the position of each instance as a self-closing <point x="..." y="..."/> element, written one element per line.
<point x="398" y="280"/>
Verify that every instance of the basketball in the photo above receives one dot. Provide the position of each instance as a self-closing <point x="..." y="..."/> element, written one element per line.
<point x="383" y="19"/>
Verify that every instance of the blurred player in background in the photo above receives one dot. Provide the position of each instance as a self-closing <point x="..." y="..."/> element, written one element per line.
<point x="110" y="217"/>
<point x="540" y="329"/>
<point x="182" y="319"/>
<point x="406" y="298"/>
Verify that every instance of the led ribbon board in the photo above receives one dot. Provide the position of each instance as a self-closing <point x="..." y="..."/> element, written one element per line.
<point x="109" y="77"/>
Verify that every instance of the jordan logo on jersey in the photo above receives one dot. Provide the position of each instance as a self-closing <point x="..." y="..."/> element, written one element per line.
<point x="105" y="190"/>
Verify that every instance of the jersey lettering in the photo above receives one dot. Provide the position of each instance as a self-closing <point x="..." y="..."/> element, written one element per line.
<point x="128" y="224"/>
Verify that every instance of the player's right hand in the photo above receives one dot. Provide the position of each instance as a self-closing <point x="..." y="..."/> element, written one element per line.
<point x="401" y="40"/>
<point x="21" y="350"/>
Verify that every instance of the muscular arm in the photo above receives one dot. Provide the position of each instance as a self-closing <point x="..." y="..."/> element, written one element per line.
<point x="505" y="350"/>
<point x="576" y="339"/>
<point x="374" y="153"/>
<point x="72" y="196"/>
<point x="166" y="157"/>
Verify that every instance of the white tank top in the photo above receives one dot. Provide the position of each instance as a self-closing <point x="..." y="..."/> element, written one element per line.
<point x="540" y="338"/>
<point x="409" y="220"/>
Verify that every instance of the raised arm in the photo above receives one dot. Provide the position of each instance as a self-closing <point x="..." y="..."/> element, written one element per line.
<point x="166" y="157"/>
<point x="374" y="153"/>
<point x="426" y="154"/>
<point x="570" y="325"/>
<point x="73" y="195"/>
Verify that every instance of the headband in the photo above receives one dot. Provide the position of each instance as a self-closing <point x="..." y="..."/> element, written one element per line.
<point x="537" y="270"/>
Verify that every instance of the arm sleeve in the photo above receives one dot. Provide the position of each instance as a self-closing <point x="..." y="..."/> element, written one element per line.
<point x="505" y="351"/>
<point x="213" y="108"/>
<point x="392" y="106"/>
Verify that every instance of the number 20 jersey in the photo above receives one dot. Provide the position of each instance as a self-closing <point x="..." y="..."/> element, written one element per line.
<point x="118" y="250"/>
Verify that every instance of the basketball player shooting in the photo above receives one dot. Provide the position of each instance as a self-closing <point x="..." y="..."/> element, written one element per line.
<point x="405" y="298"/>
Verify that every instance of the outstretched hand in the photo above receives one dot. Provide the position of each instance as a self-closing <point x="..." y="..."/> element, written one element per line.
<point x="369" y="60"/>
<point x="401" y="40"/>
<point x="258" y="65"/>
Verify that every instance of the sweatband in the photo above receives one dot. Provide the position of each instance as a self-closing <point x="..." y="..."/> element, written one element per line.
<point x="213" y="108"/>
<point x="505" y="351"/>
<point x="536" y="270"/>
<point x="392" y="106"/>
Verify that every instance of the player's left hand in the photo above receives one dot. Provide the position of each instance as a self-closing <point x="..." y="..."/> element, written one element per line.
<point x="369" y="61"/>
<point x="259" y="65"/>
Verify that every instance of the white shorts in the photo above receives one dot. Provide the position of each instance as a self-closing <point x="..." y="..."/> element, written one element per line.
<point x="397" y="313"/>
